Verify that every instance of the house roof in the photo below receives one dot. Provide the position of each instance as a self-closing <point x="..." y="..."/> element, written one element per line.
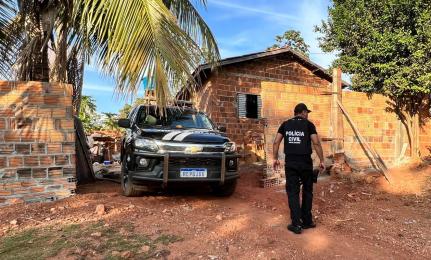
<point x="203" y="71"/>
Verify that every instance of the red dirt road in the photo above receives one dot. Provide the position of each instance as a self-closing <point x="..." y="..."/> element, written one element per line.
<point x="355" y="220"/>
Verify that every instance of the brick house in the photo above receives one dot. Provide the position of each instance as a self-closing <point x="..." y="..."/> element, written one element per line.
<point x="253" y="94"/>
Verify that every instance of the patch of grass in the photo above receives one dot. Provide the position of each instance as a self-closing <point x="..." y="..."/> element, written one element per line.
<point x="168" y="239"/>
<point x="31" y="244"/>
<point x="46" y="242"/>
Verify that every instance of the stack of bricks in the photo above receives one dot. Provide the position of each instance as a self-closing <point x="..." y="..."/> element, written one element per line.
<point x="37" y="142"/>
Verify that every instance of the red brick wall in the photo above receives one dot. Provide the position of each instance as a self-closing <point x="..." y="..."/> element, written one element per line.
<point x="425" y="134"/>
<point x="218" y="95"/>
<point x="425" y="140"/>
<point x="279" y="101"/>
<point x="37" y="142"/>
<point x="380" y="128"/>
<point x="282" y="83"/>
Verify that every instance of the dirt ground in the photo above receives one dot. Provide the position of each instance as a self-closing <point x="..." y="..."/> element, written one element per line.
<point x="358" y="217"/>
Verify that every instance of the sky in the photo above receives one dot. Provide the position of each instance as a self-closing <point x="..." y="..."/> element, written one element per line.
<point x="240" y="27"/>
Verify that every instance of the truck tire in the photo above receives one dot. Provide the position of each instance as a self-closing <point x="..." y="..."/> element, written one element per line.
<point x="225" y="190"/>
<point x="127" y="187"/>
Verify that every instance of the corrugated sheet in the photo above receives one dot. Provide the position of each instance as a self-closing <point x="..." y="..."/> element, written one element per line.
<point x="242" y="112"/>
<point x="242" y="105"/>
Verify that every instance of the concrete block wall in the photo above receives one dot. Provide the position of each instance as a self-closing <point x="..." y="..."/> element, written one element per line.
<point x="37" y="142"/>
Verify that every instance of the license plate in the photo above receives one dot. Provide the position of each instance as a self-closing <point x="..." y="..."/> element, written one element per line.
<point x="193" y="173"/>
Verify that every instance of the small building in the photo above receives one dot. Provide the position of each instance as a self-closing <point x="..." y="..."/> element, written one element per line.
<point x="253" y="94"/>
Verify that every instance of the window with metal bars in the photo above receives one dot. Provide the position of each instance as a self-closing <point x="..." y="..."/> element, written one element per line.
<point x="249" y="106"/>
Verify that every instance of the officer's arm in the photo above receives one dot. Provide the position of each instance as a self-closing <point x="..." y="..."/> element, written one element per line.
<point x="276" y="145"/>
<point x="317" y="146"/>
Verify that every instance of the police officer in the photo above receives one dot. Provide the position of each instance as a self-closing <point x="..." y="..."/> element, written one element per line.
<point x="299" y="134"/>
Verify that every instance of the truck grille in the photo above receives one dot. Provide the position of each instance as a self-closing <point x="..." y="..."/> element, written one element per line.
<point x="212" y="165"/>
<point x="179" y="148"/>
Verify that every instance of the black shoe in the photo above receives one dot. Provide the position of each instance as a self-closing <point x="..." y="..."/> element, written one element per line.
<point x="309" y="225"/>
<point x="294" y="228"/>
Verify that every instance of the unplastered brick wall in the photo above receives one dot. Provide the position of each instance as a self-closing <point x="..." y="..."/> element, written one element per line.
<point x="380" y="128"/>
<point x="218" y="95"/>
<point x="37" y="142"/>
<point x="279" y="101"/>
<point x="425" y="135"/>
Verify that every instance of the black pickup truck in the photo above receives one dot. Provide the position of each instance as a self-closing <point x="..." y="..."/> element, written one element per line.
<point x="178" y="147"/>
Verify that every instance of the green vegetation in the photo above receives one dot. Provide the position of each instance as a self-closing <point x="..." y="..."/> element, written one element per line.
<point x="88" y="114"/>
<point x="127" y="108"/>
<point x="76" y="239"/>
<point x="110" y="122"/>
<point x="129" y="40"/>
<point x="92" y="121"/>
<point x="385" y="46"/>
<point x="292" y="39"/>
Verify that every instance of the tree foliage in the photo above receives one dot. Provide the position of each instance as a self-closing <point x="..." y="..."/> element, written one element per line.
<point x="292" y="39"/>
<point x="385" y="45"/>
<point x="88" y="114"/>
<point x="110" y="122"/>
<point x="124" y="112"/>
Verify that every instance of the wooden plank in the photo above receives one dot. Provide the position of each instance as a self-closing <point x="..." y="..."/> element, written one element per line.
<point x="415" y="136"/>
<point x="337" y="145"/>
<point x="378" y="161"/>
<point x="84" y="167"/>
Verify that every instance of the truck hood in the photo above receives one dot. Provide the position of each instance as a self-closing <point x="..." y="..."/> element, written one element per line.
<point x="198" y="136"/>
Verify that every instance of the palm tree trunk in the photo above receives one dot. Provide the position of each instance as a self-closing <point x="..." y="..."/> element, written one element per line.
<point x="75" y="76"/>
<point x="40" y="64"/>
<point x="59" y="71"/>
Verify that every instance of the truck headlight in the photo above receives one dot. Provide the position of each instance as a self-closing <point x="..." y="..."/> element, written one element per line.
<point x="230" y="147"/>
<point x="146" y="144"/>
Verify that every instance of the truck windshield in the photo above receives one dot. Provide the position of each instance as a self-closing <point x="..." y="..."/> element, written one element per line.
<point x="175" y="118"/>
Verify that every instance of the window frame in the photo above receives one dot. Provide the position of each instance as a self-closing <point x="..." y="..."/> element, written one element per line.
<point x="242" y="112"/>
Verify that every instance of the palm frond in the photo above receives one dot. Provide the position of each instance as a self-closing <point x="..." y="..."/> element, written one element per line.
<point x="9" y="37"/>
<point x="194" y="25"/>
<point x="143" y="38"/>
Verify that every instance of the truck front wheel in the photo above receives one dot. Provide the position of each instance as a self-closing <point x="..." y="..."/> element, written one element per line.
<point x="128" y="188"/>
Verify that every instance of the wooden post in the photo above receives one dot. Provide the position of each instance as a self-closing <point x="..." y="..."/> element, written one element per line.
<point x="336" y="114"/>
<point x="415" y="136"/>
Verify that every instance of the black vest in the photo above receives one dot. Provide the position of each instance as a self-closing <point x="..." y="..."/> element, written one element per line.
<point x="297" y="139"/>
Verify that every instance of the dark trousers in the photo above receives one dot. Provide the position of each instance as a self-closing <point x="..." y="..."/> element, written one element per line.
<point x="298" y="173"/>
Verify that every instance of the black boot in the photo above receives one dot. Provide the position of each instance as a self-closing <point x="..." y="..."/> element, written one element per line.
<point x="295" y="228"/>
<point x="309" y="225"/>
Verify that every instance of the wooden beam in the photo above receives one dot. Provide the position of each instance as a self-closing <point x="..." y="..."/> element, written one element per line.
<point x="336" y="114"/>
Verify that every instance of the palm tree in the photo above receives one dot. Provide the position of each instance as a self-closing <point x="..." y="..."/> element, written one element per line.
<point x="110" y="122"/>
<point x="129" y="39"/>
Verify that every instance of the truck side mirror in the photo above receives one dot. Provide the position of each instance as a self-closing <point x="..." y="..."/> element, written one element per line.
<point x="124" y="123"/>
<point x="222" y="128"/>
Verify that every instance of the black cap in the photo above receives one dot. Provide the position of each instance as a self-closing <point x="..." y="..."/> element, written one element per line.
<point x="301" y="107"/>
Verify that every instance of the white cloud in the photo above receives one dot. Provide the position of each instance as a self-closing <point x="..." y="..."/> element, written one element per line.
<point x="255" y="10"/>
<point x="98" y="88"/>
